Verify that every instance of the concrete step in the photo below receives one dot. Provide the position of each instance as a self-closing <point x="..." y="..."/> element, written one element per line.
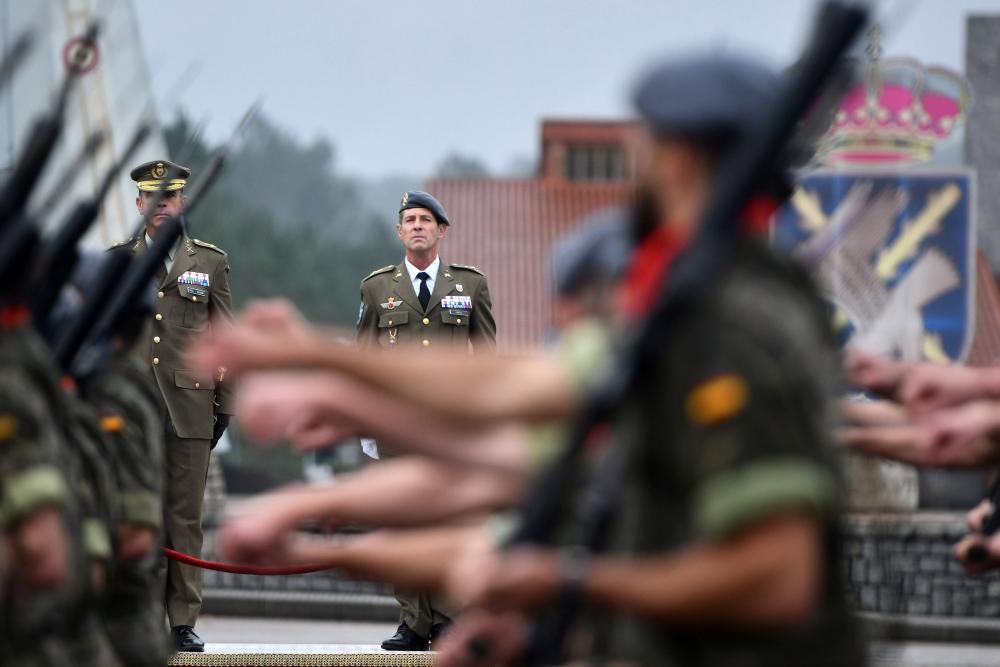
<point x="296" y="655"/>
<point x="294" y="604"/>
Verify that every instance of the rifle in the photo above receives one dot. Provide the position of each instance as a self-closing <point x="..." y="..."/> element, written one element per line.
<point x="84" y="346"/>
<point x="18" y="247"/>
<point x="15" y="56"/>
<point x="41" y="141"/>
<point x="70" y="172"/>
<point x="738" y="179"/>
<point x="62" y="255"/>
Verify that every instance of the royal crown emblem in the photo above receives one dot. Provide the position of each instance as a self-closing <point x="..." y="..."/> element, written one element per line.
<point x="898" y="114"/>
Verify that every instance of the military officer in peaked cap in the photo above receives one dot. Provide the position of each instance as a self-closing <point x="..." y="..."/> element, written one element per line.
<point x="192" y="289"/>
<point x="424" y="302"/>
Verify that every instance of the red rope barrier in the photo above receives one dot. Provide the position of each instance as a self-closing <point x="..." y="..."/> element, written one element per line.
<point x="260" y="570"/>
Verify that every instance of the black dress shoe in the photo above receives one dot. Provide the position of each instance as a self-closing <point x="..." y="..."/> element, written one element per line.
<point x="438" y="630"/>
<point x="186" y="641"/>
<point x="405" y="639"/>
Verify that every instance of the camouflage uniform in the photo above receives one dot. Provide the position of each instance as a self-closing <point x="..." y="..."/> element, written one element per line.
<point x="31" y="478"/>
<point x="729" y="427"/>
<point x="132" y="415"/>
<point x="67" y="616"/>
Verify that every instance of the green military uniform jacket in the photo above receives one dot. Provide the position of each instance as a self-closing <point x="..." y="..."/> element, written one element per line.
<point x="728" y="427"/>
<point x="131" y="413"/>
<point x="32" y="465"/>
<point x="458" y="313"/>
<point x="78" y="478"/>
<point x="193" y="292"/>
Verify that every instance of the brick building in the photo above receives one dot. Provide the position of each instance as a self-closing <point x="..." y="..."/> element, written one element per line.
<point x="506" y="227"/>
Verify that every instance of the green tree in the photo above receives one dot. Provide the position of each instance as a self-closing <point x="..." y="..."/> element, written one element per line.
<point x="291" y="225"/>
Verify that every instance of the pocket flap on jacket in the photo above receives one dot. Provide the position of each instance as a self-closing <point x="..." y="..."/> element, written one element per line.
<point x="187" y="380"/>
<point x="457" y="318"/>
<point x="388" y="320"/>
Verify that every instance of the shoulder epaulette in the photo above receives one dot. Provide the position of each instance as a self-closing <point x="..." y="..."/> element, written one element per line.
<point x="121" y="244"/>
<point x="206" y="244"/>
<point x="378" y="271"/>
<point x="467" y="267"/>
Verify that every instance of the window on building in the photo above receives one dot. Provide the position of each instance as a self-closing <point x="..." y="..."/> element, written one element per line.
<point x="595" y="162"/>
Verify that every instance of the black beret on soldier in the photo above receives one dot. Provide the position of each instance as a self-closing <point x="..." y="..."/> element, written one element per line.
<point x="421" y="199"/>
<point x="709" y="99"/>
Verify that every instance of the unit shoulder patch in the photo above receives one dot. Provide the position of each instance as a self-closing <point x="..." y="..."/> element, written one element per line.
<point x="717" y="399"/>
<point x="384" y="269"/>
<point x="468" y="267"/>
<point x="206" y="244"/>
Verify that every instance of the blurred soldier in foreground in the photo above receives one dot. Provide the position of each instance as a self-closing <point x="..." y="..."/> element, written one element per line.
<point x="192" y="287"/>
<point x="130" y="411"/>
<point x="38" y="542"/>
<point x="54" y="624"/>
<point x="725" y="547"/>
<point x="423" y="301"/>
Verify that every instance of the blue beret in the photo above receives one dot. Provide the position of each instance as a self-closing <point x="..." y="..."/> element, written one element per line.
<point x="596" y="253"/>
<point x="420" y="199"/>
<point x="711" y="97"/>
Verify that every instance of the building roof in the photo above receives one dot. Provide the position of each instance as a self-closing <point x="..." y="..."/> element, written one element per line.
<point x="985" y="350"/>
<point x="506" y="228"/>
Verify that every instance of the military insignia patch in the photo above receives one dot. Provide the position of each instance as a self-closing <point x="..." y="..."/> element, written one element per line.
<point x="406" y="198"/>
<point x="159" y="170"/>
<point x="456" y="302"/>
<point x="717" y="400"/>
<point x="391" y="304"/>
<point x="193" y="278"/>
<point x="893" y="253"/>
<point x="8" y="427"/>
<point x="459" y="288"/>
<point x="112" y="423"/>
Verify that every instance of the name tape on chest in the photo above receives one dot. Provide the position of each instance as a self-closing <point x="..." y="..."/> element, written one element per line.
<point x="456" y="302"/>
<point x="193" y="278"/>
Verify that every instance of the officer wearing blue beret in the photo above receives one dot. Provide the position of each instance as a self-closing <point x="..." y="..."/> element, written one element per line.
<point x="416" y="304"/>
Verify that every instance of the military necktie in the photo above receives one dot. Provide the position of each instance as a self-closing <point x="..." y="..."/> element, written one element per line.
<point x="425" y="294"/>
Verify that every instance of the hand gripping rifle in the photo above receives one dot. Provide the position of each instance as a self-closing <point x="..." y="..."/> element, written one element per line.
<point x="738" y="180"/>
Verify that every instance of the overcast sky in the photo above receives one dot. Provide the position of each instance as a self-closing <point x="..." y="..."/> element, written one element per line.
<point x="398" y="85"/>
